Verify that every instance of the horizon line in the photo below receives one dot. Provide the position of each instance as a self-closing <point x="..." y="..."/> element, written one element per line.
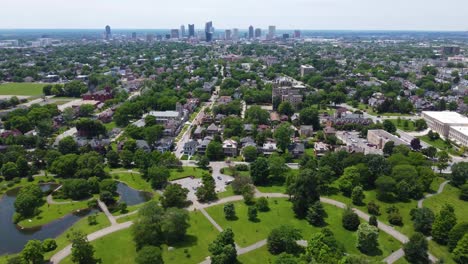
<point x="201" y="28"/>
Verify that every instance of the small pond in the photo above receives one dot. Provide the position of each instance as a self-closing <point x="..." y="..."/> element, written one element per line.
<point x="131" y="196"/>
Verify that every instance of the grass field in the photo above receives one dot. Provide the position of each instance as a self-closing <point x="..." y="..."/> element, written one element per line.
<point x="440" y="144"/>
<point x="401" y="126"/>
<point x="53" y="212"/>
<point x="247" y="232"/>
<point x="449" y="196"/>
<point x="119" y="248"/>
<point x="186" y="172"/>
<point x="133" y="180"/>
<point x="25" y="89"/>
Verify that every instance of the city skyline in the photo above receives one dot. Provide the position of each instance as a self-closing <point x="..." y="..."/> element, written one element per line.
<point x="306" y="15"/>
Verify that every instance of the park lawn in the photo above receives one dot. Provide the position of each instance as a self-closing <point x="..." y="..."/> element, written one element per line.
<point x="133" y="180"/>
<point x="247" y="232"/>
<point x="110" y="126"/>
<point x="53" y="212"/>
<point x="449" y="196"/>
<point x="230" y="171"/>
<point x="401" y="261"/>
<point x="82" y="226"/>
<point x="440" y="144"/>
<point x="404" y="208"/>
<point x="186" y="172"/>
<point x="114" y="248"/>
<point x="9" y="185"/>
<point x="436" y="183"/>
<point x="228" y="192"/>
<point x="25" y="89"/>
<point x="119" y="248"/>
<point x="127" y="218"/>
<point x="441" y="252"/>
<point x="401" y="126"/>
<point x="260" y="255"/>
<point x="276" y="187"/>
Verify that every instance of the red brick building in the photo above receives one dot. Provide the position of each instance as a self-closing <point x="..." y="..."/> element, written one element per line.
<point x="101" y="96"/>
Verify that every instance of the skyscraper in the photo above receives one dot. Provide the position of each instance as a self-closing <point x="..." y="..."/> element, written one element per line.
<point x="297" y="34"/>
<point x="209" y="31"/>
<point x="235" y="34"/>
<point x="227" y="34"/>
<point x="182" y="31"/>
<point x="191" y="30"/>
<point x="271" y="32"/>
<point x="258" y="33"/>
<point x="108" y="32"/>
<point x="175" y="33"/>
<point x="251" y="32"/>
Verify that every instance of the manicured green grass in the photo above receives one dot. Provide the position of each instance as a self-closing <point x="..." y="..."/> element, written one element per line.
<point x="401" y="126"/>
<point x="21" y="89"/>
<point x="441" y="252"/>
<point x="227" y="193"/>
<point x="440" y="144"/>
<point x="82" y="226"/>
<point x="133" y="180"/>
<point x="230" y="171"/>
<point x="247" y="232"/>
<point x="260" y="255"/>
<point x="53" y="212"/>
<point x="110" y="126"/>
<point x="404" y="208"/>
<point x="186" y="172"/>
<point x="119" y="248"/>
<point x="371" y="111"/>
<point x="9" y="185"/>
<point x="449" y="196"/>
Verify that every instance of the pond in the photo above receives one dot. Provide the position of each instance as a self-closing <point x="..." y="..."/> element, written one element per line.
<point x="131" y="196"/>
<point x="13" y="238"/>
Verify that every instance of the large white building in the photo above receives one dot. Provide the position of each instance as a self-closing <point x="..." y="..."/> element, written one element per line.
<point x="451" y="125"/>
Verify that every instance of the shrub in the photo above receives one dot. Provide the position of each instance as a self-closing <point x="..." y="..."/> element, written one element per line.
<point x="49" y="245"/>
<point x="373" y="208"/>
<point x="350" y="220"/>
<point x="262" y="204"/>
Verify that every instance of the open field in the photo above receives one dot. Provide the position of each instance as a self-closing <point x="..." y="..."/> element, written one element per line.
<point x="51" y="212"/>
<point x="186" y="172"/>
<point x="133" y="180"/>
<point x="247" y="232"/>
<point x="26" y="89"/>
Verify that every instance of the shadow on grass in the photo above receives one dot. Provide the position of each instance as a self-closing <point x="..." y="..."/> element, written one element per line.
<point x="188" y="241"/>
<point x="373" y="252"/>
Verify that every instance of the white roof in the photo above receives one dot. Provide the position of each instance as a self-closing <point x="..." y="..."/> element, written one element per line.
<point x="448" y="117"/>
<point x="461" y="129"/>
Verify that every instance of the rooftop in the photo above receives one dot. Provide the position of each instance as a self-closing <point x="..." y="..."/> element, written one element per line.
<point x="461" y="129"/>
<point x="448" y="117"/>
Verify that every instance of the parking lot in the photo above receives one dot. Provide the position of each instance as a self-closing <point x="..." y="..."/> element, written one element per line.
<point x="353" y="139"/>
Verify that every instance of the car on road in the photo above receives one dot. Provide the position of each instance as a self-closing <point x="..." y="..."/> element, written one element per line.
<point x="219" y="177"/>
<point x="228" y="182"/>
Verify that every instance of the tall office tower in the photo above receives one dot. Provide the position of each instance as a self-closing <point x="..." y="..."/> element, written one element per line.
<point x="271" y="32"/>
<point x="134" y="35"/>
<point x="235" y="34"/>
<point x="175" y="33"/>
<point x="182" y="31"/>
<point x="108" y="32"/>
<point x="209" y="31"/>
<point x="191" y="30"/>
<point x="251" y="32"/>
<point x="297" y="34"/>
<point x="227" y="34"/>
<point x="258" y="33"/>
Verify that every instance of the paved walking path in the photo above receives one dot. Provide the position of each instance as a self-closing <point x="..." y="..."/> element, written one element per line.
<point x="104" y="209"/>
<point x="439" y="191"/>
<point x="395" y="256"/>
<point x="62" y="254"/>
<point x="212" y="221"/>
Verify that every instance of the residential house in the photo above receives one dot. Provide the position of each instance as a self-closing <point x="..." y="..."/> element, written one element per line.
<point x="320" y="148"/>
<point x="190" y="148"/>
<point x="101" y="96"/>
<point x="201" y="148"/>
<point x="230" y="148"/>
<point x="212" y="130"/>
<point x="143" y="145"/>
<point x="198" y="133"/>
<point x="297" y="149"/>
<point x="306" y="131"/>
<point x="269" y="147"/>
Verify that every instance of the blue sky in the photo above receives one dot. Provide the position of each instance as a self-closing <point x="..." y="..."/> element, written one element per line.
<point x="285" y="14"/>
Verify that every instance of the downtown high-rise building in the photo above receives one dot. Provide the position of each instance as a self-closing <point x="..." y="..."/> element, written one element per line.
<point x="108" y="32"/>
<point x="271" y="32"/>
<point x="182" y="31"/>
<point x="134" y="35"/>
<point x="209" y="30"/>
<point x="191" y="30"/>
<point x="235" y="34"/>
<point x="251" y="32"/>
<point x="174" y="34"/>
<point x="228" y="34"/>
<point x="297" y="34"/>
<point x="258" y="33"/>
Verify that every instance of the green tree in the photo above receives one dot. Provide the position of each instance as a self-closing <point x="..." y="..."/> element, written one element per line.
<point x="252" y="213"/>
<point x="207" y="192"/>
<point x="368" y="238"/>
<point x="174" y="196"/>
<point x="283" y="239"/>
<point x="126" y="156"/>
<point x="68" y="146"/>
<point x="388" y="148"/>
<point x="248" y="193"/>
<point x="457" y="232"/>
<point x="358" y="196"/>
<point x="113" y="158"/>
<point x="304" y="192"/>
<point x="373" y="221"/>
<point x="323" y="248"/>
<point x="350" y="220"/>
<point x="229" y="211"/>
<point x="10" y="171"/>
<point x="28" y="200"/>
<point x="416" y="249"/>
<point x="389" y="126"/>
<point x="259" y="171"/>
<point x="149" y="255"/>
<point x="174" y="224"/>
<point x="422" y="220"/>
<point x="33" y="252"/>
<point x="460" y="253"/>
<point x="82" y="250"/>
<point x="49" y="245"/>
<point x="214" y="151"/>
<point x="23" y="167"/>
<point x="256" y="115"/>
<point x="158" y="176"/>
<point x="309" y="116"/>
<point x="223" y="249"/>
<point x="147" y="230"/>
<point x="316" y="214"/>
<point x="443" y="160"/>
<point x="282" y="135"/>
<point x="86" y="110"/>
<point x="286" y="108"/>
<point x="203" y="162"/>
<point x="250" y="153"/>
<point x="459" y="173"/>
<point x="444" y="221"/>
<point x="262" y="204"/>
<point x="373" y="208"/>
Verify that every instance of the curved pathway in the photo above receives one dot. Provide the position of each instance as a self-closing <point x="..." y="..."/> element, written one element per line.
<point x="198" y="206"/>
<point x="439" y="191"/>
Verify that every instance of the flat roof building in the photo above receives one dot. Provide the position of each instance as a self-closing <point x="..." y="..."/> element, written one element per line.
<point x="442" y="121"/>
<point x="379" y="137"/>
